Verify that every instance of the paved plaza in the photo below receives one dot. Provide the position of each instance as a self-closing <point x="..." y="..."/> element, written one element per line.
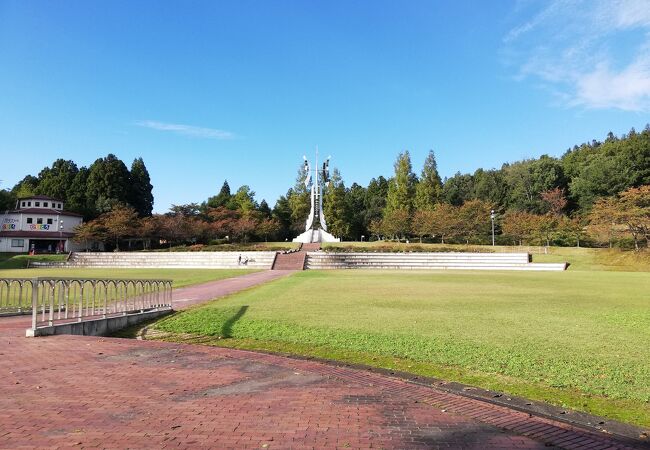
<point x="85" y="392"/>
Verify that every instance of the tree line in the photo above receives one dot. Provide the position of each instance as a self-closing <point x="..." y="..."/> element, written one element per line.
<point x="223" y="218"/>
<point x="89" y="191"/>
<point x="542" y="201"/>
<point x="594" y="194"/>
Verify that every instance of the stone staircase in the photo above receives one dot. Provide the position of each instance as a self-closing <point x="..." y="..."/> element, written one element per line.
<point x="427" y="261"/>
<point x="179" y="260"/>
<point x="308" y="257"/>
<point x="294" y="260"/>
<point x="313" y="247"/>
<point x="290" y="261"/>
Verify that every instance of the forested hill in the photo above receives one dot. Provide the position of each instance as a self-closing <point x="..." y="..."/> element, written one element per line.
<point x="566" y="186"/>
<point x="584" y="173"/>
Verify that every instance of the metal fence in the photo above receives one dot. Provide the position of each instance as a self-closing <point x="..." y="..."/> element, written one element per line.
<point x="52" y="300"/>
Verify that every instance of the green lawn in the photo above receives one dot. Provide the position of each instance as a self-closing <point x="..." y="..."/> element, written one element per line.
<point x="19" y="261"/>
<point x="579" y="338"/>
<point x="181" y="277"/>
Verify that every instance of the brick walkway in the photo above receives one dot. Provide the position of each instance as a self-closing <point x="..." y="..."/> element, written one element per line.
<point x="192" y="295"/>
<point x="78" y="392"/>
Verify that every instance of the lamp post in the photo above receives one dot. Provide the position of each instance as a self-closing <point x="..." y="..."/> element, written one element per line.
<point x="492" y="216"/>
<point x="61" y="245"/>
<point x="362" y="236"/>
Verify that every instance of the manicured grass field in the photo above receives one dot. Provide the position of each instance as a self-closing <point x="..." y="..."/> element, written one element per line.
<point x="181" y="277"/>
<point x="579" y="338"/>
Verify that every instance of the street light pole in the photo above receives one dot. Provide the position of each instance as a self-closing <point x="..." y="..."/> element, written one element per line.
<point x="61" y="245"/>
<point x="492" y="216"/>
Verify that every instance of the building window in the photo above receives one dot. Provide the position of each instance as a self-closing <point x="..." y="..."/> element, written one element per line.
<point x="39" y="220"/>
<point x="29" y="203"/>
<point x="59" y="205"/>
<point x="23" y="204"/>
<point x="37" y="203"/>
<point x="30" y="220"/>
<point x="18" y="243"/>
<point x="44" y="204"/>
<point x="49" y="221"/>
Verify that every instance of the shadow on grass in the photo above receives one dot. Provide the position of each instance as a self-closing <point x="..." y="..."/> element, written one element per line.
<point x="226" y="328"/>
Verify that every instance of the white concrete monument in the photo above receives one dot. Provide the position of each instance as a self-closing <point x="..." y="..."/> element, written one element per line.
<point x="316" y="226"/>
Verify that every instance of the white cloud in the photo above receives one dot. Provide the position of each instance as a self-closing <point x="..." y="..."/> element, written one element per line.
<point x="592" y="53"/>
<point x="187" y="130"/>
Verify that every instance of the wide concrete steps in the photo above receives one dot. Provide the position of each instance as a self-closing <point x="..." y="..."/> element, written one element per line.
<point x="180" y="260"/>
<point x="427" y="261"/>
<point x="290" y="261"/>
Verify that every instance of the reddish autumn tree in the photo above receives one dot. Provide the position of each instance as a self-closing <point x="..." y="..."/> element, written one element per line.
<point x="268" y="227"/>
<point x="555" y="201"/>
<point x="423" y="223"/>
<point x="446" y="221"/>
<point x="520" y="226"/>
<point x="119" y="222"/>
<point x="603" y="220"/>
<point x="634" y="212"/>
<point x="396" y="223"/>
<point x="474" y="219"/>
<point x="223" y="220"/>
<point x="244" y="227"/>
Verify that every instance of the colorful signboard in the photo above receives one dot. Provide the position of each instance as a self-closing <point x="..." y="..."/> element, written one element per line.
<point x="40" y="227"/>
<point x="9" y="224"/>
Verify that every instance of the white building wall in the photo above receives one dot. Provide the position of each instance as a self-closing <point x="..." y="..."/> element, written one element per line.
<point x="6" y="245"/>
<point x="16" y="222"/>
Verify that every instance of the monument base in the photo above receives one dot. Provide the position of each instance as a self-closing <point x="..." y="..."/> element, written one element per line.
<point x="318" y="235"/>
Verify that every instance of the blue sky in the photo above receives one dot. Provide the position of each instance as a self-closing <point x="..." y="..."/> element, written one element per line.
<point x="205" y="91"/>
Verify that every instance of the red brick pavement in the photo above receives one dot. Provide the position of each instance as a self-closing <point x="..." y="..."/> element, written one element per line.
<point x="192" y="295"/>
<point x="83" y="392"/>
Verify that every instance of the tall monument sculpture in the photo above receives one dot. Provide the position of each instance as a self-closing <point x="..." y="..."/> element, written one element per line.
<point x="316" y="225"/>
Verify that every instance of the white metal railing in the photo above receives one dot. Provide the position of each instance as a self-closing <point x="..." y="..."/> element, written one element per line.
<point x="58" y="300"/>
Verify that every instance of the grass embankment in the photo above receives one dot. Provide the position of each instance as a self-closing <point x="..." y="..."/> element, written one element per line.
<point x="578" y="338"/>
<point x="415" y="246"/>
<point x="235" y="247"/>
<point x="181" y="277"/>
<point x="14" y="261"/>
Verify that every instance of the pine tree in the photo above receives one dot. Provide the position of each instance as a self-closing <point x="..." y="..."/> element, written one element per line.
<point x="299" y="202"/>
<point x="428" y="191"/>
<point x="76" y="195"/>
<point x="335" y="206"/>
<point x="264" y="209"/>
<point x="355" y="200"/>
<point x="108" y="184"/>
<point x="282" y="213"/>
<point x="222" y="198"/>
<point x="244" y="200"/>
<point x="141" y="195"/>
<point x="55" y="181"/>
<point x="25" y="187"/>
<point x="401" y="189"/>
<point x="375" y="201"/>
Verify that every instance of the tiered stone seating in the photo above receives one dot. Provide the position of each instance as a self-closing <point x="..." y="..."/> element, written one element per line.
<point x="425" y="261"/>
<point x="179" y="260"/>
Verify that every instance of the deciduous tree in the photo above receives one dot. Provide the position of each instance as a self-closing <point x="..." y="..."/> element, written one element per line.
<point x="424" y="223"/>
<point x="119" y="223"/>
